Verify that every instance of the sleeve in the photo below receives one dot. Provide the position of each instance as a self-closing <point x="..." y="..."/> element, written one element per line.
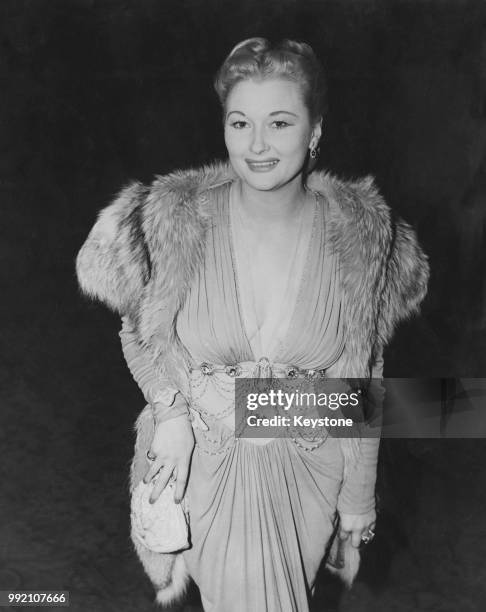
<point x="167" y="402"/>
<point x="357" y="495"/>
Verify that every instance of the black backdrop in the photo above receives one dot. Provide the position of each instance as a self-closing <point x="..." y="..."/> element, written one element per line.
<point x="95" y="93"/>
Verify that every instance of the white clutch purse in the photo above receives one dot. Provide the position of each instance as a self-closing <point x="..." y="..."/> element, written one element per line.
<point x="162" y="526"/>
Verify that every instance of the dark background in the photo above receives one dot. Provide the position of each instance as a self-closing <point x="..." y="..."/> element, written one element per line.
<point x="95" y="93"/>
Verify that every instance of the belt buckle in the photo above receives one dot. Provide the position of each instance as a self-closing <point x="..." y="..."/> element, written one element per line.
<point x="233" y="370"/>
<point x="291" y="372"/>
<point x="206" y="368"/>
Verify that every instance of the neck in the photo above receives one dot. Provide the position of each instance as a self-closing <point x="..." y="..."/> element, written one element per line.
<point x="277" y="206"/>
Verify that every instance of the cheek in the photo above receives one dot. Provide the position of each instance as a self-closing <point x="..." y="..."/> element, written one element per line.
<point x="234" y="142"/>
<point x="294" y="142"/>
<point x="296" y="148"/>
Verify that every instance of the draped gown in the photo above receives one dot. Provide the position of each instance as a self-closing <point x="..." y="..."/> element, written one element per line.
<point x="261" y="511"/>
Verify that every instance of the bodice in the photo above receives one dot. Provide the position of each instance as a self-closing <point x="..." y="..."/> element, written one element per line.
<point x="302" y="336"/>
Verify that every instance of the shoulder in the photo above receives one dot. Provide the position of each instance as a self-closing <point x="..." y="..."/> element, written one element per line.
<point x="359" y="210"/>
<point x="115" y="238"/>
<point x="143" y="228"/>
<point x="379" y="249"/>
<point x="178" y="202"/>
<point x="185" y="186"/>
<point x="355" y="203"/>
<point x="359" y="223"/>
<point x="141" y="206"/>
<point x="176" y="192"/>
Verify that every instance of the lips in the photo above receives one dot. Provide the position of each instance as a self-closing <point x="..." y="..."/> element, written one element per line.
<point x="264" y="165"/>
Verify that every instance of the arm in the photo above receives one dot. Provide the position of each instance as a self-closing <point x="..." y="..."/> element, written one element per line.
<point x="114" y="266"/>
<point x="166" y="401"/>
<point x="357" y="495"/>
<point x="173" y="439"/>
<point x="405" y="286"/>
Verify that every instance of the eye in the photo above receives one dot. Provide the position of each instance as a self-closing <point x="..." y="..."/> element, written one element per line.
<point x="280" y="124"/>
<point x="239" y="125"/>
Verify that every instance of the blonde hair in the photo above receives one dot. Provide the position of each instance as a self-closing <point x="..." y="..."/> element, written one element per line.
<point x="258" y="58"/>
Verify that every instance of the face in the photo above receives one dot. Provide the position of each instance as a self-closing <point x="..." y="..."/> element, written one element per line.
<point x="268" y="132"/>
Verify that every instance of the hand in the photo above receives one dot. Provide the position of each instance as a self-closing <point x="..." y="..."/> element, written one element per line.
<point x="172" y="448"/>
<point x="356" y="526"/>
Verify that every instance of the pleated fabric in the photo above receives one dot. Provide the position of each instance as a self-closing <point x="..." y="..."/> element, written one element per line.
<point x="261" y="511"/>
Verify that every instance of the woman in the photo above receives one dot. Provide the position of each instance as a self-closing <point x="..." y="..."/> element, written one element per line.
<point x="254" y="268"/>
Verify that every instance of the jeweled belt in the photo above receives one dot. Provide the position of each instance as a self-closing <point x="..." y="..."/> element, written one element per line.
<point x="263" y="368"/>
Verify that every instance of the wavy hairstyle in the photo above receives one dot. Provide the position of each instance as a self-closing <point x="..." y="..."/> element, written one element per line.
<point x="258" y="59"/>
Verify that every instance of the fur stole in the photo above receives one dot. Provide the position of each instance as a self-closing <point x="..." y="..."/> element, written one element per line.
<point x="142" y="253"/>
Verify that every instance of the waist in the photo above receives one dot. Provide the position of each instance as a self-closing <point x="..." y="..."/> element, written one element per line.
<point x="263" y="368"/>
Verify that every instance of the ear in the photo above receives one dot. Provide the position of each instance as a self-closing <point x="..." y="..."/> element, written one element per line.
<point x="316" y="134"/>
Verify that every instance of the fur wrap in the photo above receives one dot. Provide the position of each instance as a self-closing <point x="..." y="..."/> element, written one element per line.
<point x="142" y="253"/>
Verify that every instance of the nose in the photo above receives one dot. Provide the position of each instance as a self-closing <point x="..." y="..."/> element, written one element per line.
<point x="258" y="143"/>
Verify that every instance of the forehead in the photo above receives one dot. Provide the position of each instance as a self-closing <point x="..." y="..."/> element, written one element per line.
<point x="262" y="97"/>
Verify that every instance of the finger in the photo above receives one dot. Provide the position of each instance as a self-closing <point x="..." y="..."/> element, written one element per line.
<point x="153" y="469"/>
<point x="181" y="481"/>
<point x="161" y="482"/>
<point x="356" y="538"/>
<point x="343" y="535"/>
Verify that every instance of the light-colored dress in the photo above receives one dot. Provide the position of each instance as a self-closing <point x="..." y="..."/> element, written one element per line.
<point x="261" y="511"/>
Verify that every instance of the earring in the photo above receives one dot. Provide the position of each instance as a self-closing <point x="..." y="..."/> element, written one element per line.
<point x="314" y="152"/>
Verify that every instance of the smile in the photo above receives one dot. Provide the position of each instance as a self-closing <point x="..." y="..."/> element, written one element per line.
<point x="262" y="166"/>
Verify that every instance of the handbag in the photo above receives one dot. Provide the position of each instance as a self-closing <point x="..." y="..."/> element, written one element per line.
<point x="163" y="526"/>
<point x="342" y="558"/>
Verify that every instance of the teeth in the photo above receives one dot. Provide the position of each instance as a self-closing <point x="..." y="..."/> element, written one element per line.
<point x="273" y="163"/>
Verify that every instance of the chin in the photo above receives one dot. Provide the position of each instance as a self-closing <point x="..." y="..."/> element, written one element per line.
<point x="262" y="184"/>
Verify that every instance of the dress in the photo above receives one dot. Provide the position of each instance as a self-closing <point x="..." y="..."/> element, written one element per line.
<point x="261" y="512"/>
<point x="141" y="259"/>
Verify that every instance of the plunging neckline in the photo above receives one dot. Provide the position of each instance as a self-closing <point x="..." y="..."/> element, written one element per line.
<point x="295" y="299"/>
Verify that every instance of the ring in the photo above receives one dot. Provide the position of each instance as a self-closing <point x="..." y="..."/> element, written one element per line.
<point x="366" y="539"/>
<point x="150" y="457"/>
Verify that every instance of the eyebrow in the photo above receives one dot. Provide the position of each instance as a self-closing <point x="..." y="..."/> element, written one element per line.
<point x="279" y="112"/>
<point x="283" y="111"/>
